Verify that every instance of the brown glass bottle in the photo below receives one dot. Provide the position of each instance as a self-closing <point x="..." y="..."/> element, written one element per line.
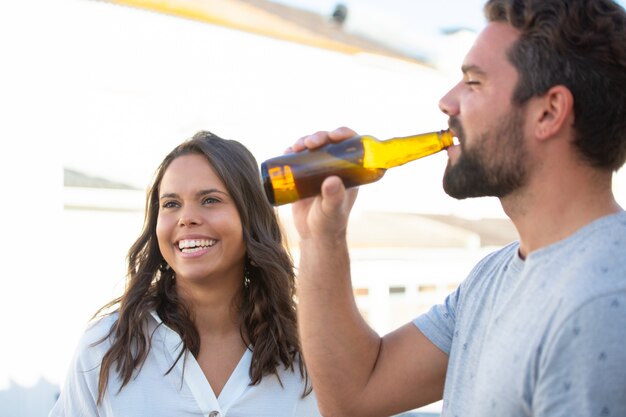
<point x="357" y="161"/>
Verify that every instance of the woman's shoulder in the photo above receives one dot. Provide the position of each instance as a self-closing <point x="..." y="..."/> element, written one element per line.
<point x="100" y="327"/>
<point x="94" y="341"/>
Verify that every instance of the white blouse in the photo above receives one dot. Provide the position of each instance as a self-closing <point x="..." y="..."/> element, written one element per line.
<point x="184" y="392"/>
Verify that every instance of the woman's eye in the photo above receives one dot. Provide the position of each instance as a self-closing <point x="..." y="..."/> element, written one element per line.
<point x="210" y="200"/>
<point x="169" y="204"/>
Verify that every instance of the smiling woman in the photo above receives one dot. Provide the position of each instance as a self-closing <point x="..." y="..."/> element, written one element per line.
<point x="207" y="322"/>
<point x="198" y="226"/>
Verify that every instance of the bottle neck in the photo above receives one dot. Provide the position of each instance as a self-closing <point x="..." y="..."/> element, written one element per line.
<point x="398" y="151"/>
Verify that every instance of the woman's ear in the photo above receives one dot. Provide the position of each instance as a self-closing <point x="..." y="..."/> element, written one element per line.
<point x="553" y="112"/>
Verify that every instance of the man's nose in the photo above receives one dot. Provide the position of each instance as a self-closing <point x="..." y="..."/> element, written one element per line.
<point x="449" y="103"/>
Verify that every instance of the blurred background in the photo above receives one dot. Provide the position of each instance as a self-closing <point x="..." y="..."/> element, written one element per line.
<point x="93" y="94"/>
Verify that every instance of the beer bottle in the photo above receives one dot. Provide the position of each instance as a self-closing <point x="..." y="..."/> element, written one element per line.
<point x="358" y="160"/>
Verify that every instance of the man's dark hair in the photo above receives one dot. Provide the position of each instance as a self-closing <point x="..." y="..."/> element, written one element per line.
<point x="580" y="44"/>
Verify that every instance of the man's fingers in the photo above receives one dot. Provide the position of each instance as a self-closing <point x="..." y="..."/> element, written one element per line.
<point x="341" y="133"/>
<point x="321" y="138"/>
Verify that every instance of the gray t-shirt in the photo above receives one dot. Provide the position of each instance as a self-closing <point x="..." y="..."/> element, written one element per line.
<point x="540" y="337"/>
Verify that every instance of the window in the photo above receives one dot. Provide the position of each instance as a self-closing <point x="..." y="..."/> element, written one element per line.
<point x="395" y="290"/>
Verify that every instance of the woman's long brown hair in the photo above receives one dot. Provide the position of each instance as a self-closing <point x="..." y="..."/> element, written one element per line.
<point x="267" y="303"/>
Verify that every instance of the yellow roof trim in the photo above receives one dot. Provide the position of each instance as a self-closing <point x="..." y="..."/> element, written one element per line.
<point x="240" y="16"/>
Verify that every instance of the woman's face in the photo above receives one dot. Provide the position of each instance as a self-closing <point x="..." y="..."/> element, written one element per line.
<point x="199" y="229"/>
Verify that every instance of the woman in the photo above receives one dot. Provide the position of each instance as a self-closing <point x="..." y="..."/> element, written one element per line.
<point x="207" y="323"/>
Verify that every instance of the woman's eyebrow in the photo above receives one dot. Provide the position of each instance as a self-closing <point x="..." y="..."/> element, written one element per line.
<point x="198" y="194"/>
<point x="210" y="191"/>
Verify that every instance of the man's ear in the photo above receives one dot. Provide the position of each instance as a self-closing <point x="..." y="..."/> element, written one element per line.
<point x="553" y="112"/>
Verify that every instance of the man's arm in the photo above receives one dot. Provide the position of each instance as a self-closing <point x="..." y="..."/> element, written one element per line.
<point x="354" y="371"/>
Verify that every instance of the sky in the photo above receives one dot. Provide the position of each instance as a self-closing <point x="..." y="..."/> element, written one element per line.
<point x="425" y="16"/>
<point x="411" y="26"/>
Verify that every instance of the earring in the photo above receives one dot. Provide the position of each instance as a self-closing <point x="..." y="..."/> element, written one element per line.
<point x="246" y="277"/>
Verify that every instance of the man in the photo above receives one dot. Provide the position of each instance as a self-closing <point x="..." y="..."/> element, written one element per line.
<point x="539" y="327"/>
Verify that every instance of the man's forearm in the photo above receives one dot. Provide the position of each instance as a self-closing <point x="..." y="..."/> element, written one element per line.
<point x="340" y="349"/>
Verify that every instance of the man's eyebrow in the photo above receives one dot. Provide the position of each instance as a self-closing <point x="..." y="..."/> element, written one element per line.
<point x="472" y="68"/>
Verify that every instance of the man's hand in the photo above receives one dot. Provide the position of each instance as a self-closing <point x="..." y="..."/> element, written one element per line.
<point x="324" y="216"/>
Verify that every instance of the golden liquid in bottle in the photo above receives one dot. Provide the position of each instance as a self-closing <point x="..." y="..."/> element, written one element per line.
<point x="357" y="161"/>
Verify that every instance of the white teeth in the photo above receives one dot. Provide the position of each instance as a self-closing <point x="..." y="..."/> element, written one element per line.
<point x="191" y="250"/>
<point x="195" y="244"/>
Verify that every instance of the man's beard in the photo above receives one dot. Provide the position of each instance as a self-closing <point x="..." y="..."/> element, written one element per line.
<point x="496" y="164"/>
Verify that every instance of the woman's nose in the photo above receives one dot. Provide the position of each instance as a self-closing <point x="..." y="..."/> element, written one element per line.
<point x="188" y="218"/>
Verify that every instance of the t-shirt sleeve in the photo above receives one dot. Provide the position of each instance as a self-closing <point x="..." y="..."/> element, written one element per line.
<point x="582" y="369"/>
<point x="438" y="323"/>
